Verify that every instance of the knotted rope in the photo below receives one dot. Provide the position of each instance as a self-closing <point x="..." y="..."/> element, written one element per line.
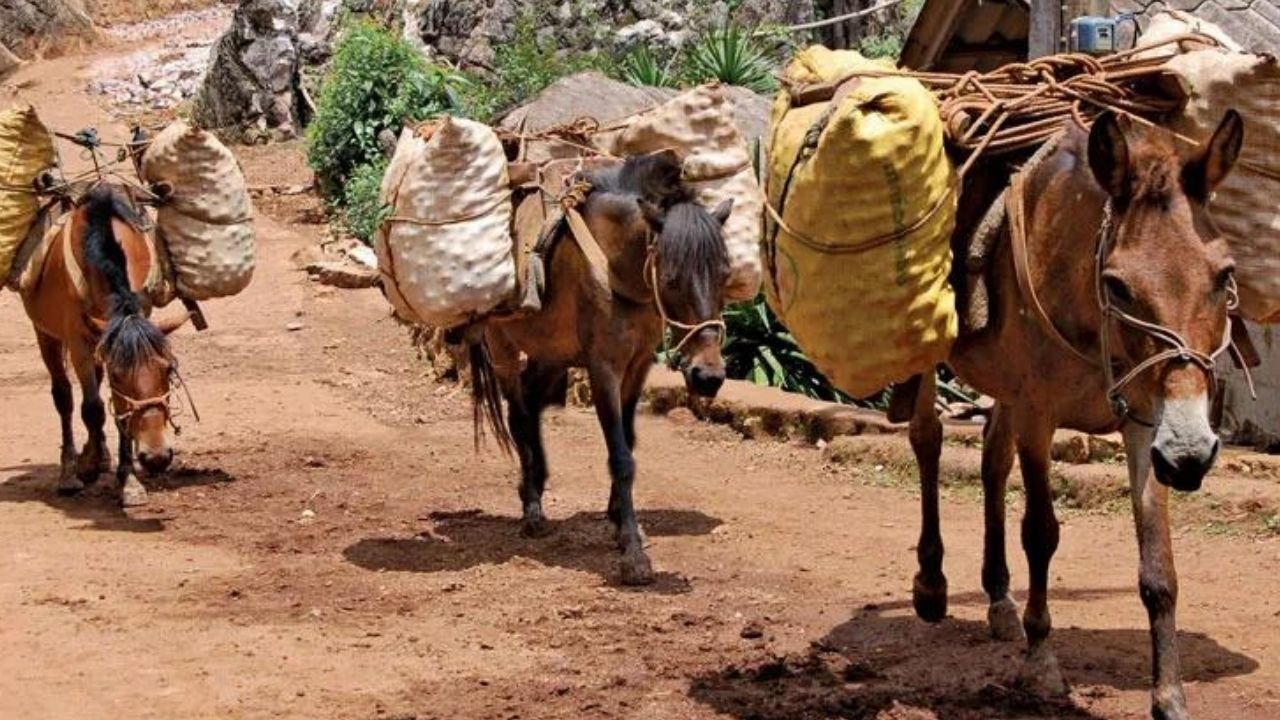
<point x="1021" y="105"/>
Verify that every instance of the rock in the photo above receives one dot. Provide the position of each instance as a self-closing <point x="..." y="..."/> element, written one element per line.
<point x="466" y="32"/>
<point x="682" y="416"/>
<point x="605" y="100"/>
<point x="752" y="631"/>
<point x="254" y="79"/>
<point x="1073" y="449"/>
<point x="347" y="276"/>
<point x="364" y="256"/>
<point x="294" y="326"/>
<point x="27" y="24"/>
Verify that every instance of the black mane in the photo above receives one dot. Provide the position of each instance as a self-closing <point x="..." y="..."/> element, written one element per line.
<point x="130" y="340"/>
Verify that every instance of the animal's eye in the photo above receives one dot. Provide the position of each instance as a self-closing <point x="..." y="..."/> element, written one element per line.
<point x="1223" y="279"/>
<point x="1116" y="288"/>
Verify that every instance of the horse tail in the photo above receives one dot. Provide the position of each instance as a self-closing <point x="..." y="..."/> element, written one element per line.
<point x="486" y="397"/>
<point x="103" y="252"/>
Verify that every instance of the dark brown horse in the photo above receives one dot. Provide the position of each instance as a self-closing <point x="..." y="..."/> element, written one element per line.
<point x="1122" y="312"/>
<point x="86" y="306"/>
<point x="667" y="260"/>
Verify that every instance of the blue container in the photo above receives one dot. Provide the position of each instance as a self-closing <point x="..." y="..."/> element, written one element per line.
<point x="1093" y="35"/>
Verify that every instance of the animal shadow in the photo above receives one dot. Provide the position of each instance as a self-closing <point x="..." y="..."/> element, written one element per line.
<point x="99" y="505"/>
<point x="460" y="540"/>
<point x="885" y="660"/>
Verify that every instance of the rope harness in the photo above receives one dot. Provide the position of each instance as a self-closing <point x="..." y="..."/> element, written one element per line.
<point x="1021" y="105"/>
<point x="1178" y="349"/>
<point x="127" y="409"/>
<point x="570" y="202"/>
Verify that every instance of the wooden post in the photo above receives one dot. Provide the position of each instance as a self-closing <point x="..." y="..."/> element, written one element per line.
<point x="1045" y="35"/>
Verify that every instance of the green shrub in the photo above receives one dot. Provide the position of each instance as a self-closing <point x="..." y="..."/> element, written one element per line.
<point x="377" y="82"/>
<point x="732" y="55"/>
<point x="362" y="212"/>
<point x="642" y="68"/>
<point x="890" y="39"/>
<point x="523" y="68"/>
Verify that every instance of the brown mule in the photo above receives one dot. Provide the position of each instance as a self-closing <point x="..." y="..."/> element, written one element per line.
<point x="87" y="307"/>
<point x="667" y="260"/>
<point x="1115" y="325"/>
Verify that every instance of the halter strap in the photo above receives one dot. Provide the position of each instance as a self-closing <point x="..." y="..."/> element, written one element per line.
<point x="690" y="331"/>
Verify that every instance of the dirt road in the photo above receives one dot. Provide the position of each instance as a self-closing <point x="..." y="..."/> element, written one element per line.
<point x="329" y="546"/>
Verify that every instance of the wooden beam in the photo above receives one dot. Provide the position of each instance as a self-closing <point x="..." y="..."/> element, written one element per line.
<point x="1046" y="28"/>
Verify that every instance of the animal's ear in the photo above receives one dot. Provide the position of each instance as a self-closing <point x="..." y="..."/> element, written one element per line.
<point x="1215" y="158"/>
<point x="168" y="327"/>
<point x="653" y="214"/>
<point x="662" y="184"/>
<point x="1109" y="156"/>
<point x="722" y="211"/>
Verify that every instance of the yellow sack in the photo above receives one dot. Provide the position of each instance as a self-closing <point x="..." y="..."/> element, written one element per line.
<point x="858" y="240"/>
<point x="26" y="150"/>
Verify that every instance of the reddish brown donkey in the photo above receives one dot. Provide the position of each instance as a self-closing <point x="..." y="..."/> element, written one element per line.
<point x="88" y="308"/>
<point x="1135" y="284"/>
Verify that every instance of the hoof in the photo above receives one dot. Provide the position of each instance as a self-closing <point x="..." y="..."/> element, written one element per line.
<point x="70" y="485"/>
<point x="930" y="598"/>
<point x="1169" y="705"/>
<point x="636" y="569"/>
<point x="133" y="494"/>
<point x="87" y="474"/>
<point x="535" y="527"/>
<point x="1040" y="674"/>
<point x="1006" y="626"/>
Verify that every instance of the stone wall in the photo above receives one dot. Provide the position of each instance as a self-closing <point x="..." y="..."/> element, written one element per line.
<point x="467" y="31"/>
<point x="1255" y="24"/>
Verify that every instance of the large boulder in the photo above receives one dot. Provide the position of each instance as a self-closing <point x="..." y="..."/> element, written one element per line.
<point x="253" y="83"/>
<point x="26" y="25"/>
<point x="466" y="32"/>
<point x="605" y="100"/>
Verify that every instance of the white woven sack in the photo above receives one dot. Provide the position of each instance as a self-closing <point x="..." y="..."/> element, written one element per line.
<point x="699" y="125"/>
<point x="445" y="252"/>
<point x="206" y="225"/>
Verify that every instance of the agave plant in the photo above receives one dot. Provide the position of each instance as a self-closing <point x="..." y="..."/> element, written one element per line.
<point x="642" y="68"/>
<point x="733" y="56"/>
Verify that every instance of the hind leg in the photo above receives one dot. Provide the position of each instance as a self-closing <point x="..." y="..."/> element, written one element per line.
<point x="929" y="590"/>
<point x="94" y="458"/>
<point x="1040" y="673"/>
<point x="524" y="417"/>
<point x="997" y="462"/>
<point x="51" y="351"/>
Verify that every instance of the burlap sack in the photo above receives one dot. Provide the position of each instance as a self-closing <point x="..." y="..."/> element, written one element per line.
<point x="445" y="253"/>
<point x="26" y="150"/>
<point x="717" y="164"/>
<point x="205" y="227"/>
<point x="857" y="267"/>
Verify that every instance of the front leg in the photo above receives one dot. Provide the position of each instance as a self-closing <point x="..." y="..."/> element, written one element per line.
<point x="1157" y="577"/>
<point x="94" y="459"/>
<point x="606" y="394"/>
<point x="132" y="492"/>
<point x="929" y="590"/>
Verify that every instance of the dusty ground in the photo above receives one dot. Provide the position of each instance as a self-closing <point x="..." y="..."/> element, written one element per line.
<point x="331" y="547"/>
